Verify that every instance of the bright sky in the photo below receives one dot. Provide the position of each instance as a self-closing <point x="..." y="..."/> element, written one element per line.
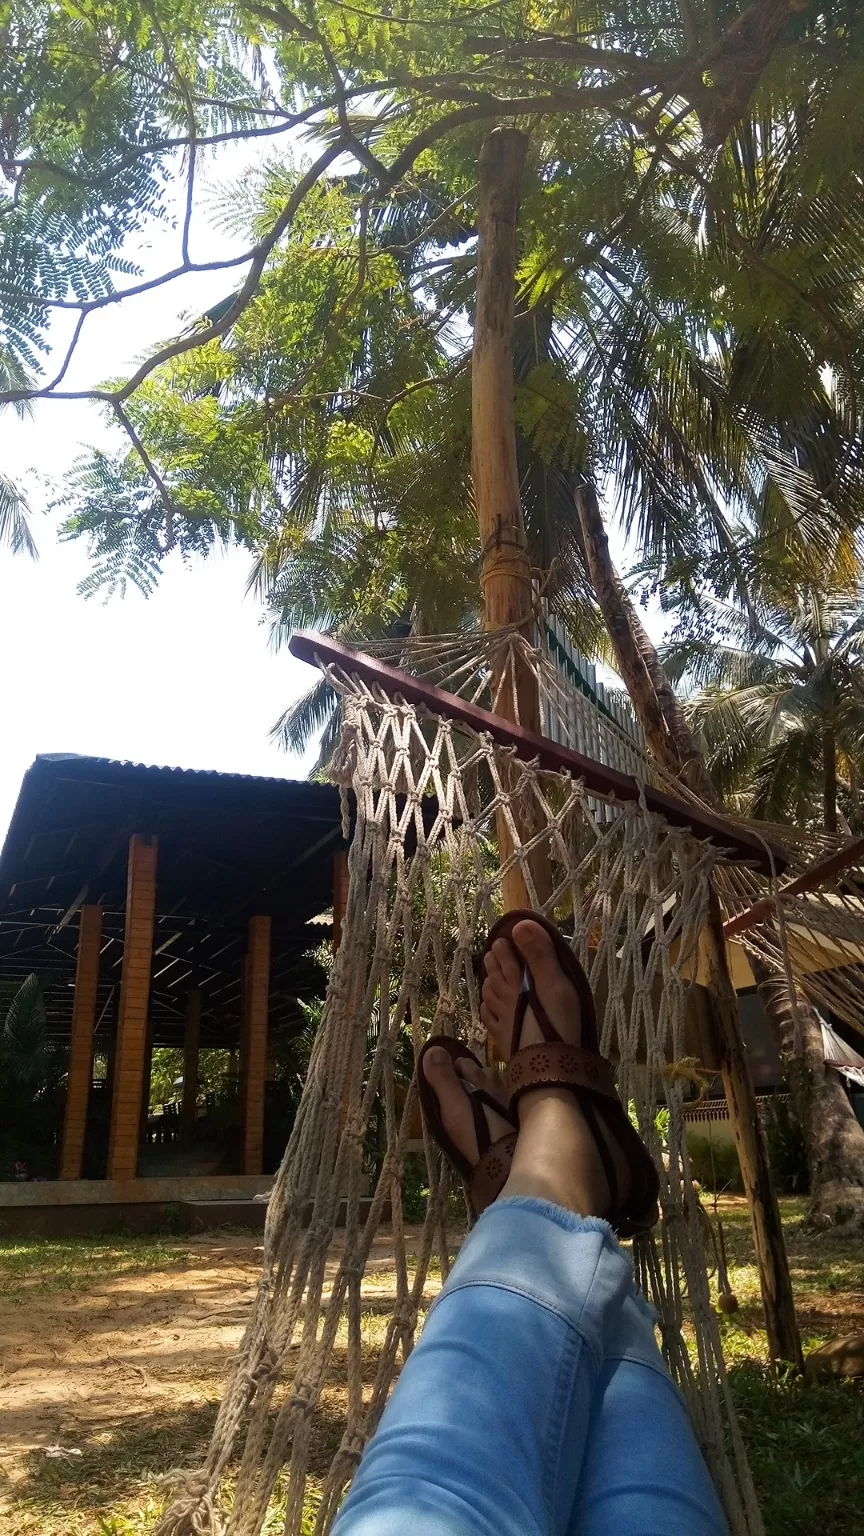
<point x="185" y="677"/>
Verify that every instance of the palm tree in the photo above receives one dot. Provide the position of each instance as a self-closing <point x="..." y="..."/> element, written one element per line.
<point x="779" y="702"/>
<point x="667" y="352"/>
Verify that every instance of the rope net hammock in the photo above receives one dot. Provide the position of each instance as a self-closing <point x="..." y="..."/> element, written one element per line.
<point x="815" y="936"/>
<point x="631" y="891"/>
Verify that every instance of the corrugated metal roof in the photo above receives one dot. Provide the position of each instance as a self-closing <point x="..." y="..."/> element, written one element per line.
<point x="192" y="773"/>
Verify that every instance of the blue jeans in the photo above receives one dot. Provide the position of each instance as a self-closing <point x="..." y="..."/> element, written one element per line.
<point x="536" y="1402"/>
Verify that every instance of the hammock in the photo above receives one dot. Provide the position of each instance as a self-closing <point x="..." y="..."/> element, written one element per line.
<point x="631" y="888"/>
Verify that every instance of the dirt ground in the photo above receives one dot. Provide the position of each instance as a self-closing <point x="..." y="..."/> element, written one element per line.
<point x="114" y="1353"/>
<point x="123" y="1372"/>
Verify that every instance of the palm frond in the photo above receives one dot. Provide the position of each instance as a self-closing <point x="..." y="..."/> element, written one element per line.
<point x="14" y="527"/>
<point x="314" y="712"/>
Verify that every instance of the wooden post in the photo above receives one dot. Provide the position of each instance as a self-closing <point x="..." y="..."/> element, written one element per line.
<point x="784" y="1340"/>
<point x="126" y="1098"/>
<point x="80" y="1072"/>
<point x="253" y="1069"/>
<point x="505" y="574"/>
<point x="340" y="895"/>
<point x="191" y="1041"/>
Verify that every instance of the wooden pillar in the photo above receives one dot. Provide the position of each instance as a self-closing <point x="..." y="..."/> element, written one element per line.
<point x="253" y="1066"/>
<point x="127" y="1096"/>
<point x="505" y="574"/>
<point x="340" y="895"/>
<point x="191" y="1041"/>
<point x="784" y="1339"/>
<point x="81" y="1043"/>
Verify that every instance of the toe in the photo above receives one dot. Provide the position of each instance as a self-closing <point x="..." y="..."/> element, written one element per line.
<point x="439" y="1070"/>
<point x="554" y="988"/>
<point x="470" y="1071"/>
<point x="486" y="1077"/>
<point x="489" y="1018"/>
<point x="496" y="992"/>
<point x="535" y="944"/>
<point x="506" y="961"/>
<point x="453" y="1106"/>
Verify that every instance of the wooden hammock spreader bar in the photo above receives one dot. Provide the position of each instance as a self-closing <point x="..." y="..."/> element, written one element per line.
<point x="812" y="877"/>
<point x="308" y="646"/>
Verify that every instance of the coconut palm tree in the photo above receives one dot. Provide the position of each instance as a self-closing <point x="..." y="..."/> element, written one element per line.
<point x="778" y="703"/>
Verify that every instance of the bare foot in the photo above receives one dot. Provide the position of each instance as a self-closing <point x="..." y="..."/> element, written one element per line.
<point x="556" y="1155"/>
<point x="452" y="1085"/>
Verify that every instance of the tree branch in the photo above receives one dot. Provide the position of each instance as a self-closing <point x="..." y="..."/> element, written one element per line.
<point x="164" y="492"/>
<point x="198" y="338"/>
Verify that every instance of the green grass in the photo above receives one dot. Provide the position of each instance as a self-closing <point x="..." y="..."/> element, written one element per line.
<point x="805" y="1442"/>
<point x="806" y="1449"/>
<point x="78" y="1263"/>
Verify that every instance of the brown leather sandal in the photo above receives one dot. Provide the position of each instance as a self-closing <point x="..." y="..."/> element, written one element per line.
<point x="485" y="1179"/>
<point x="552" y="1063"/>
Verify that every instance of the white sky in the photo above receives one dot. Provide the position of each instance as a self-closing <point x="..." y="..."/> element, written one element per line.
<point x="185" y="677"/>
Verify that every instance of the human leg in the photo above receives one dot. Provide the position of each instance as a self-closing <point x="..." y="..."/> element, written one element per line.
<point x="642" y="1471"/>
<point x="484" y="1432"/>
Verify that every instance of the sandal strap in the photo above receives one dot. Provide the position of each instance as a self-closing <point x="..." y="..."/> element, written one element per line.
<point x="528" y="999"/>
<point x="479" y="1098"/>
<point x="492" y="1171"/>
<point x="555" y="1064"/>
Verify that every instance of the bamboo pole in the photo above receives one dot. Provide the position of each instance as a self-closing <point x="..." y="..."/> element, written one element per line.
<point x="505" y="572"/>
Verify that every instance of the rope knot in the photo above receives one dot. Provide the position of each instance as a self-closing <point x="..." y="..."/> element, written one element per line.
<point x="353" y="1444"/>
<point x="403" y="1316"/>
<point x="688" y="1069"/>
<point x="354" y="1128"/>
<point x="266" y="1370"/>
<point x="303" y="1398"/>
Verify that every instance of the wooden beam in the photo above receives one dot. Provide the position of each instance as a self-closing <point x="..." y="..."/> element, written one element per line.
<point x="784" y="1340"/>
<point x="254" y="1067"/>
<point x="809" y="880"/>
<point x="127" y="1097"/>
<point x="317" y="649"/>
<point x="80" y="1074"/>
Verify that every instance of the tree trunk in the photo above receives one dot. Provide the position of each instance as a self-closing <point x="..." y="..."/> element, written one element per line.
<point x="829" y="778"/>
<point x="671" y="742"/>
<point x="669" y="738"/>
<point x="505" y="573"/>
<point x="832" y="1134"/>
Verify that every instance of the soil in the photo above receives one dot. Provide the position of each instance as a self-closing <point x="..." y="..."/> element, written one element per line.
<point x="113" y="1360"/>
<point x="123" y="1376"/>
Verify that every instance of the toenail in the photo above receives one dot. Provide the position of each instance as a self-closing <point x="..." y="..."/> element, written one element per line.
<point x="437" y="1056"/>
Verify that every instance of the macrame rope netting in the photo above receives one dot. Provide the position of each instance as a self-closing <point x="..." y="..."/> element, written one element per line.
<point x="815" y="939"/>
<point x="424" y="887"/>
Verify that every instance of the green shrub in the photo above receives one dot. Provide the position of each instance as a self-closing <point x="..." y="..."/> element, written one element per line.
<point x="715" y="1164"/>
<point x="786" y="1149"/>
<point x="415" y="1188"/>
